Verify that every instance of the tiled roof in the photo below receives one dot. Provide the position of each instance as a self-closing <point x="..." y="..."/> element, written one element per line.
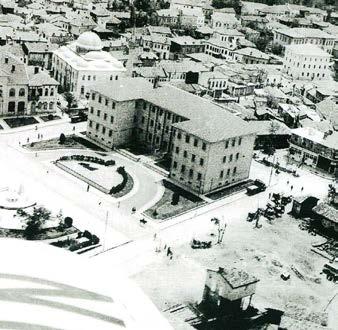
<point x="305" y="33"/>
<point x="208" y="121"/>
<point x="249" y="51"/>
<point x="307" y="49"/>
<point x="41" y="78"/>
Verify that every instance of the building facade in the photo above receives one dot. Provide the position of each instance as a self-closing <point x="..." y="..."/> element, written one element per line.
<point x="209" y="148"/>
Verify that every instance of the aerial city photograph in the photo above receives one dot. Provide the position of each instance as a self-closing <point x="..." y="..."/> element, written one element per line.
<point x="169" y="165"/>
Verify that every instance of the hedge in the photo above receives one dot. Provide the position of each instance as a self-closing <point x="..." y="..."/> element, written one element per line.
<point x="90" y="159"/>
<point x="119" y="187"/>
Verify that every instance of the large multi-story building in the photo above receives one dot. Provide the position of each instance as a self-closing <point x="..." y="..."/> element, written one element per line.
<point x="307" y="62"/>
<point x="301" y="36"/>
<point x="82" y="64"/>
<point x="209" y="147"/>
<point x="316" y="149"/>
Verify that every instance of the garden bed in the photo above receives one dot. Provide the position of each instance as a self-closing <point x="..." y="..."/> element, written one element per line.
<point x="126" y="189"/>
<point x="47" y="233"/>
<point x="71" y="142"/>
<point x="164" y="209"/>
<point x="49" y="117"/>
<point x="230" y="190"/>
<point x="14" y="122"/>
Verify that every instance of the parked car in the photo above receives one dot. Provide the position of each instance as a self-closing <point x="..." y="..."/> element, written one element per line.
<point x="257" y="187"/>
<point x="331" y="271"/>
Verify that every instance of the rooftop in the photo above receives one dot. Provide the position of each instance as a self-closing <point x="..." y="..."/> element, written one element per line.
<point x="305" y="33"/>
<point x="327" y="211"/>
<point x="307" y="49"/>
<point x="249" y="51"/>
<point x="237" y="277"/>
<point x="205" y="119"/>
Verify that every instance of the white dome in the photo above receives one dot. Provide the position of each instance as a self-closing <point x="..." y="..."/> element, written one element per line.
<point x="95" y="55"/>
<point x="89" y="41"/>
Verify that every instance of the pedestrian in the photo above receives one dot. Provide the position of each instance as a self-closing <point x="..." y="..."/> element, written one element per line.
<point x="99" y="203"/>
<point x="28" y="140"/>
<point x="155" y="236"/>
<point x="291" y="188"/>
<point x="47" y="171"/>
<point x="19" y="143"/>
<point x="168" y="251"/>
<point x="41" y="136"/>
<point x="287" y="182"/>
<point x="36" y="128"/>
<point x="302" y="189"/>
<point x="118" y="204"/>
<point x="269" y="195"/>
<point x="38" y="136"/>
<point x="165" y="247"/>
<point x="73" y="128"/>
<point x="133" y="210"/>
<point x="87" y="188"/>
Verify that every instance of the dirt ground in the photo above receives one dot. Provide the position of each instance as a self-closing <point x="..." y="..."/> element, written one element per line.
<point x="264" y="253"/>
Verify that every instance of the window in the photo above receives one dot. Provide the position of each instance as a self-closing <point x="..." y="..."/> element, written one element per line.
<point x="103" y="130"/>
<point x="226" y="144"/>
<point x="100" y="98"/>
<point x="52" y="92"/>
<point x="106" y="102"/>
<point x="97" y="126"/>
<point x="142" y="120"/>
<point x="233" y="142"/>
<point x="111" y="119"/>
<point x="11" y="106"/>
<point x="98" y="113"/>
<point x="224" y="159"/>
<point x="22" y="92"/>
<point x="89" y="77"/>
<point x="82" y="90"/>
<point x="201" y="161"/>
<point x="179" y="135"/>
<point x="110" y="133"/>
<point x="187" y="139"/>
<point x="234" y="170"/>
<point x="191" y="173"/>
<point x="221" y="174"/>
<point x="116" y="77"/>
<point x="12" y="92"/>
<point x="199" y="176"/>
<point x="182" y="168"/>
<point x="195" y="142"/>
<point x="237" y="156"/>
<point x="91" y="109"/>
<point x="193" y="157"/>
<point x="185" y="154"/>
<point x="204" y="146"/>
<point x="151" y="123"/>
<point x="169" y="116"/>
<point x="239" y="141"/>
<point x="177" y="150"/>
<point x="230" y="158"/>
<point x="90" y="123"/>
<point x="228" y="172"/>
<point x="93" y="96"/>
<point x="113" y="105"/>
<point x="104" y="116"/>
<point x="174" y="164"/>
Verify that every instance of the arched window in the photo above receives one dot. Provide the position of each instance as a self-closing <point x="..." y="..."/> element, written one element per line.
<point x="22" y="92"/>
<point x="46" y="91"/>
<point x="52" y="91"/>
<point x="82" y="89"/>
<point x="12" y="92"/>
<point x="45" y="106"/>
<point x="51" y="105"/>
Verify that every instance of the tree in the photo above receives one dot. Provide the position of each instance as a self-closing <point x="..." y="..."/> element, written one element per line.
<point x="62" y="138"/>
<point x="35" y="221"/>
<point x="261" y="42"/>
<point x="70" y="98"/>
<point x="68" y="222"/>
<point x="277" y="49"/>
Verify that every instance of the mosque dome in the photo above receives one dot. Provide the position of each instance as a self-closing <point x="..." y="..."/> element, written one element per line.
<point x="89" y="41"/>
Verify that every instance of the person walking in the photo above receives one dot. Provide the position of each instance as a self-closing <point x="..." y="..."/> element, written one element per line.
<point x="302" y="189"/>
<point x="291" y="188"/>
<point x="87" y="188"/>
<point x="73" y="128"/>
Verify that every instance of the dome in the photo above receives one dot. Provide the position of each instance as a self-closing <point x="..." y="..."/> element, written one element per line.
<point x="95" y="55"/>
<point x="89" y="41"/>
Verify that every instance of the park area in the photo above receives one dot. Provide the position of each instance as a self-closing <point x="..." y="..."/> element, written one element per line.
<point x="277" y="247"/>
<point x="174" y="201"/>
<point x="68" y="142"/>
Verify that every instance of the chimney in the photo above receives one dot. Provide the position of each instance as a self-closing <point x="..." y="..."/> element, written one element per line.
<point x="36" y="69"/>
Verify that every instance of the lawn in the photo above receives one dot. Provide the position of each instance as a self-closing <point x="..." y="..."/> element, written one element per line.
<point x="164" y="209"/>
<point x="72" y="142"/>
<point x="14" y="122"/>
<point x="50" y="117"/>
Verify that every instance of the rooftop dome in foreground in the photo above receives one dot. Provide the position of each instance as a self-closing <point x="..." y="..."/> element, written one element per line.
<point x="89" y="41"/>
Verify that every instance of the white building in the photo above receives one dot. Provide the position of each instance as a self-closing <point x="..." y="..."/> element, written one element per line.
<point x="307" y="62"/>
<point x="82" y="64"/>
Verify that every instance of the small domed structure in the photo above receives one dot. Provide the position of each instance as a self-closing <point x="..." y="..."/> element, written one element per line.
<point x="88" y="41"/>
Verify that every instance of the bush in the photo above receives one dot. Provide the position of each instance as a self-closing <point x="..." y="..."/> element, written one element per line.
<point x="50" y="117"/>
<point x="68" y="222"/>
<point x="175" y="198"/>
<point x="110" y="162"/>
<point x="155" y="213"/>
<point x="62" y="138"/>
<point x="120" y="186"/>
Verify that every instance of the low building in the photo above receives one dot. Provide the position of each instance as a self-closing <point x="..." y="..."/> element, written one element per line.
<point x="302" y="206"/>
<point x="328" y="215"/>
<point x="209" y="147"/>
<point x="82" y="64"/>
<point x="160" y="45"/>
<point x="307" y="62"/>
<point x="250" y="55"/>
<point x="228" y="291"/>
<point x="316" y="149"/>
<point x="39" y="54"/>
<point x="224" y="20"/>
<point x="181" y="46"/>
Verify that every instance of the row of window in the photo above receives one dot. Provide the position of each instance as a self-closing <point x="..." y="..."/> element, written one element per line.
<point x="106" y="101"/>
<point x="12" y="92"/>
<point x="187" y="140"/>
<point x="104" y="129"/>
<point x="105" y="115"/>
<point x="89" y="77"/>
